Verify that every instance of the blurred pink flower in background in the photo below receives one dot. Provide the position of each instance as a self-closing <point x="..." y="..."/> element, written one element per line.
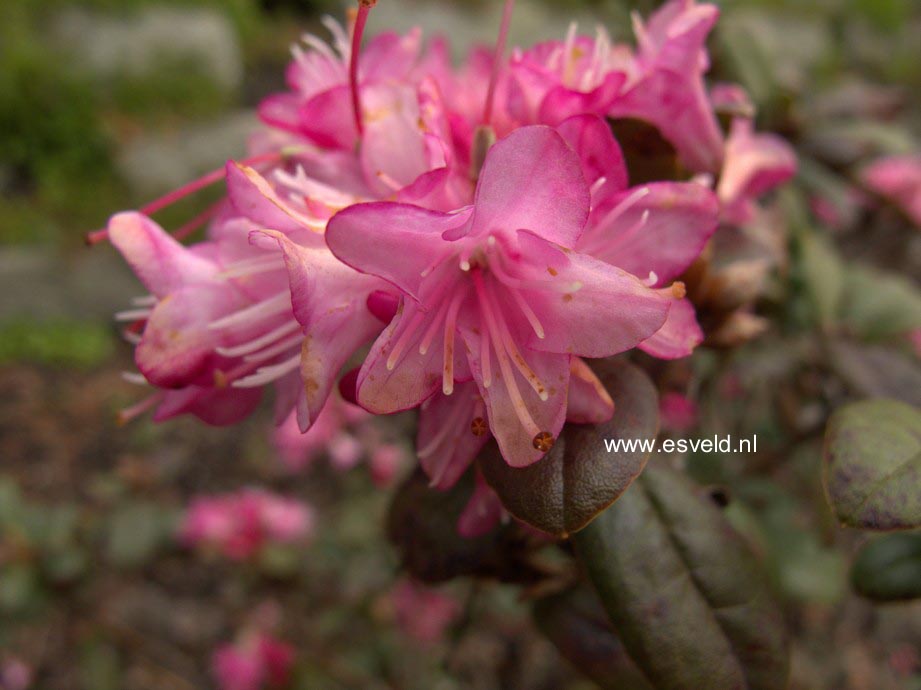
<point x="257" y="662"/>
<point x="241" y="524"/>
<point x="423" y="613"/>
<point x="15" y="674"/>
<point x="898" y="179"/>
<point x="679" y="413"/>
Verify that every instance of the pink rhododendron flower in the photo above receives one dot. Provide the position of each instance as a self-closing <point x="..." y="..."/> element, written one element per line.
<point x="15" y="675"/>
<point x="897" y="178"/>
<point x="754" y="164"/>
<point x="665" y="81"/>
<point x="257" y="662"/>
<point x="240" y="525"/>
<point x="502" y="278"/>
<point x="423" y="613"/>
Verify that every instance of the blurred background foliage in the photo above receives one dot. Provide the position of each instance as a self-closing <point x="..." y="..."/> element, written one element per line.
<point x="105" y="104"/>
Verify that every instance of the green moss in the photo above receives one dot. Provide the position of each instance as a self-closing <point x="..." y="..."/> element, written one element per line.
<point x="57" y="343"/>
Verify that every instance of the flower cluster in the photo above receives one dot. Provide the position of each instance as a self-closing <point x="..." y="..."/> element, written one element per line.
<point x="240" y="525"/>
<point x="468" y="236"/>
<point x="256" y="662"/>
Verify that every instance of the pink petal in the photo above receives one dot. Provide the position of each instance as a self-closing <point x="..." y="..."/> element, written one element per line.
<point x="445" y="444"/>
<point x="329" y="301"/>
<point x="678" y="336"/>
<point x="563" y="102"/>
<point x="681" y="218"/>
<point x="482" y="513"/>
<point x="414" y="377"/>
<point x="254" y="198"/>
<point x="591" y="308"/>
<point x="214" y="406"/>
<point x="754" y="164"/>
<point x="161" y="263"/>
<point x="532" y="180"/>
<point x="591" y="138"/>
<point x="369" y="236"/>
<point x="328" y="119"/>
<point x="177" y="345"/>
<point x="589" y="401"/>
<point x="516" y="441"/>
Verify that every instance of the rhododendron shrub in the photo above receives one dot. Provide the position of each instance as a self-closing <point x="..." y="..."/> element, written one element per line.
<point x="507" y="249"/>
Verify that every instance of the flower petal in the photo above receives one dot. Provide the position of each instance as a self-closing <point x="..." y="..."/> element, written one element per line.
<point x="161" y="263"/>
<point x="589" y="401"/>
<point x="177" y="345"/>
<point x="678" y="336"/>
<point x="679" y="219"/>
<point x="446" y="445"/>
<point x="532" y="180"/>
<point x="396" y="242"/>
<point x="591" y="138"/>
<point x="582" y="290"/>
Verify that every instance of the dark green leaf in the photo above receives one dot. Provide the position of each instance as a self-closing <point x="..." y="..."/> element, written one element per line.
<point x="876" y="371"/>
<point x="880" y="305"/>
<point x="577" y="625"/>
<point x="684" y="592"/>
<point x="872" y="469"/>
<point x="889" y="568"/>
<point x="578" y="478"/>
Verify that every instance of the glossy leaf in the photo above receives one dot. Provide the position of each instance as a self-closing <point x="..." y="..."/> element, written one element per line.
<point x="577" y="625"/>
<point x="683" y="591"/>
<point x="889" y="568"/>
<point x="578" y="478"/>
<point x="872" y="469"/>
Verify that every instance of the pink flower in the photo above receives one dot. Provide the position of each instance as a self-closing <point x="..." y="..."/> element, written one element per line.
<point x="679" y="413"/>
<point x="329" y="433"/>
<point x="496" y="292"/>
<point x="898" y="179"/>
<point x="258" y="662"/>
<point x="665" y="82"/>
<point x="240" y="525"/>
<point x="754" y="164"/>
<point x="15" y="675"/>
<point x="556" y="80"/>
<point x="423" y="613"/>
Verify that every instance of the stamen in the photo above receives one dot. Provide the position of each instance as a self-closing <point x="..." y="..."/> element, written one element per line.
<point x="485" y="363"/>
<point x="260" y="264"/>
<point x="136" y="410"/>
<point x="258" y="343"/>
<point x="447" y="381"/>
<point x="430" y="332"/>
<point x="144" y="301"/>
<point x="266" y="375"/>
<point x="508" y="376"/>
<point x="403" y="340"/>
<point x="276" y="349"/>
<point x="133" y="314"/>
<point x="528" y="313"/>
<point x="512" y="349"/>
<point x="498" y="57"/>
<point x="134" y="377"/>
<point x="273" y="306"/>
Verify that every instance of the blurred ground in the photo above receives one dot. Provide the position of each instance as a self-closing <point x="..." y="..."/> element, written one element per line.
<point x="105" y="104"/>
